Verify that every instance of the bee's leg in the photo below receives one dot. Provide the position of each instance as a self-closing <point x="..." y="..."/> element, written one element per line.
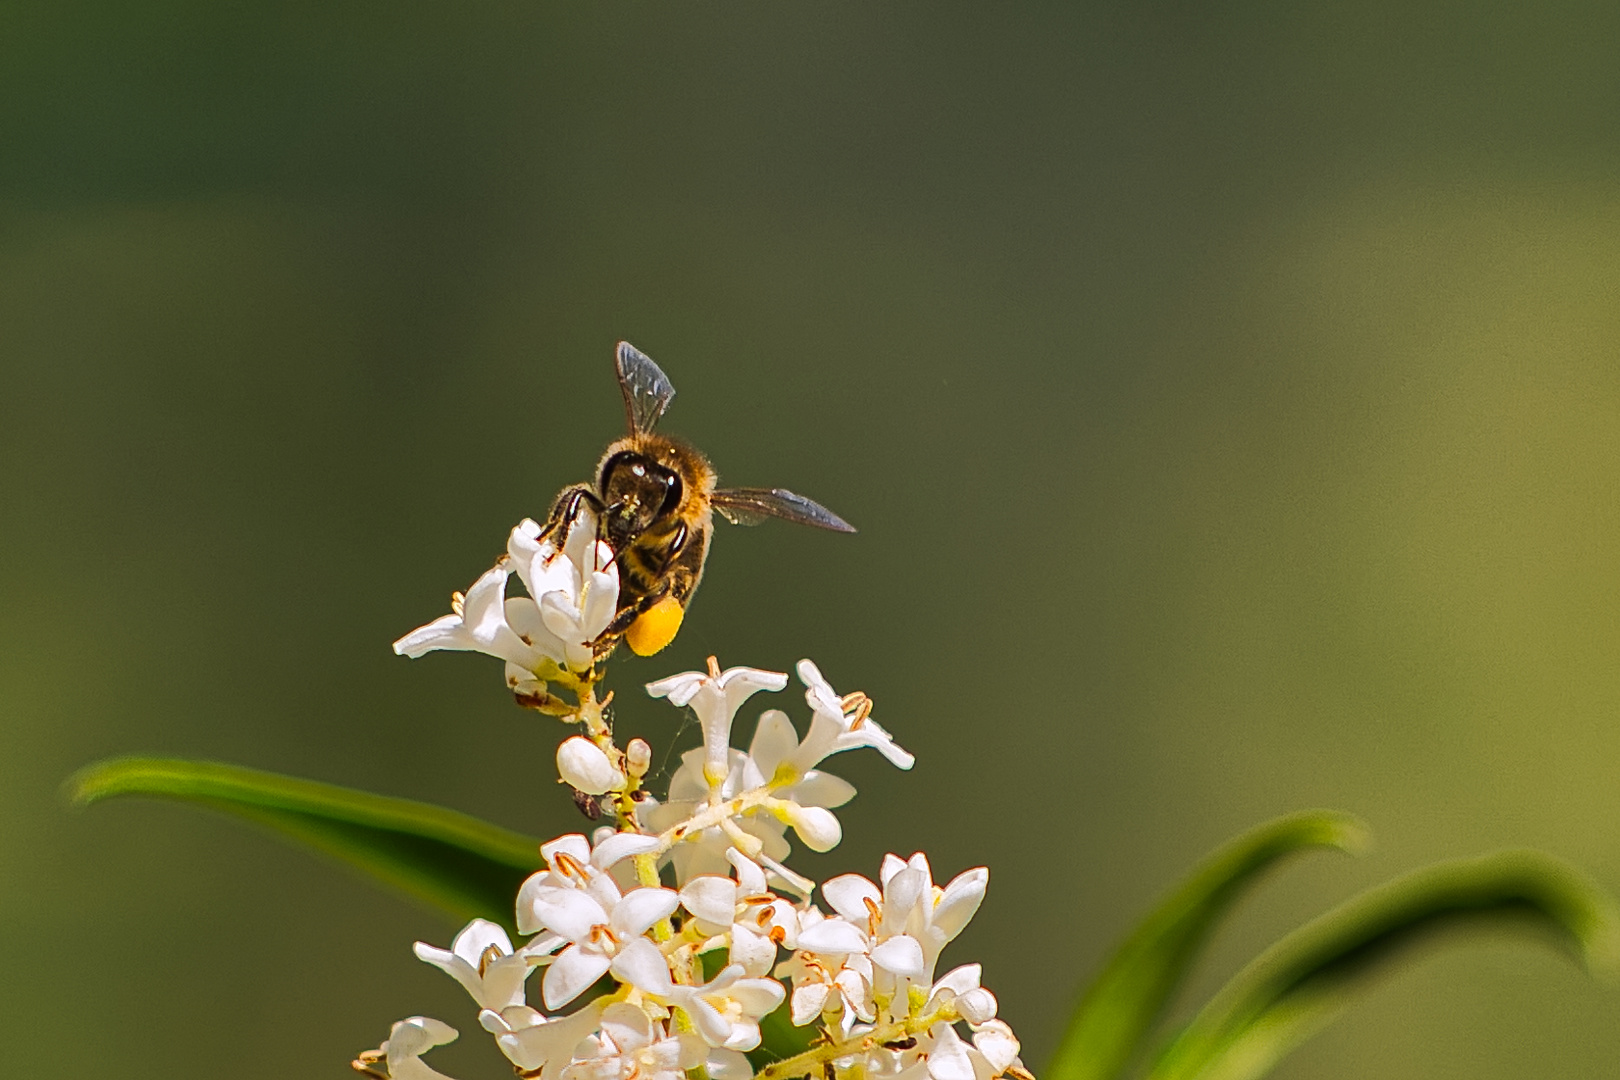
<point x="565" y="510"/>
<point x="625" y="616"/>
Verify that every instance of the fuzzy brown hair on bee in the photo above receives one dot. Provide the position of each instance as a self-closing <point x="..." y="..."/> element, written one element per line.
<point x="654" y="499"/>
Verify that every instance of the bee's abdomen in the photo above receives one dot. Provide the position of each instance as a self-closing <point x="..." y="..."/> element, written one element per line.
<point x="641" y="565"/>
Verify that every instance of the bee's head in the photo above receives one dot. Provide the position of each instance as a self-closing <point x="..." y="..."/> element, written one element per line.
<point x="636" y="491"/>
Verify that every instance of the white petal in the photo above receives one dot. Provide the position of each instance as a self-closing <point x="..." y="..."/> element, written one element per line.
<point x="510" y="1019"/>
<point x="523" y="616"/>
<point x="532" y="1046"/>
<point x="445" y="632"/>
<point x="997" y="1043"/>
<point x="900" y="955"/>
<point x="900" y="895"/>
<point x="640" y="908"/>
<point x="627" y="1025"/>
<point x="416" y="1035"/>
<point x="820" y="696"/>
<point x="742" y="683"/>
<point x="744" y="1035"/>
<point x="476" y="937"/>
<point x="568" y="912"/>
<point x="892" y="865"/>
<point x="848" y="894"/>
<point x="960" y="901"/>
<point x="728" y="1065"/>
<point x="503" y="982"/>
<point x="574" y="845"/>
<point x="750" y="878"/>
<point x="832" y="937"/>
<point x="774" y="741"/>
<point x="680" y="689"/>
<point x="820" y="789"/>
<point x="568" y="976"/>
<point x="640" y="964"/>
<point x="755" y="951"/>
<point x="870" y="734"/>
<point x="757" y="996"/>
<point x="710" y="1024"/>
<point x="408" y="1040"/>
<point x="621" y="845"/>
<point x="561" y="616"/>
<point x="601" y="600"/>
<point x="977" y="1006"/>
<point x="542" y="947"/>
<point x="523" y="546"/>
<point x="949" y="1059"/>
<point x="960" y="980"/>
<point x="712" y="899"/>
<point x="452" y="965"/>
<point x="527" y="921"/>
<point x="808" y="1001"/>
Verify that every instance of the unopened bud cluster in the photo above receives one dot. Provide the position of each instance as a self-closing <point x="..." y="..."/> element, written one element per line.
<point x="664" y="939"/>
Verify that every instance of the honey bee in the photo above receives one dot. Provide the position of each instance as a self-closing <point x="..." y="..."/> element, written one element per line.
<point x="653" y="497"/>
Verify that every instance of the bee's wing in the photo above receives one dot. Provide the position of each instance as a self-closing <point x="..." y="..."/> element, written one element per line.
<point x="750" y="506"/>
<point x="647" y="390"/>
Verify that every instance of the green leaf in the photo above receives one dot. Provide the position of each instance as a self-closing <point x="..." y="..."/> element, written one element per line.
<point x="1305" y="980"/>
<point x="779" y="1039"/>
<point x="457" y="863"/>
<point x="1123" y="1002"/>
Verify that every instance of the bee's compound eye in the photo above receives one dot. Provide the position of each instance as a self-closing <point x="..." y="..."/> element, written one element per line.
<point x="673" y="490"/>
<point x="638" y="470"/>
<point x="655" y="627"/>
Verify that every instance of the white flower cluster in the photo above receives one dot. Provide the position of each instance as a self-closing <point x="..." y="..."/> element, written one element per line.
<point x="681" y="927"/>
<point x="546" y="635"/>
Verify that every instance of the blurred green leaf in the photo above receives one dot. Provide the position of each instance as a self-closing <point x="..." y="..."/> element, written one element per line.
<point x="1126" y="998"/>
<point x="1305" y="980"/>
<point x="457" y="863"/>
<point x="779" y="1039"/>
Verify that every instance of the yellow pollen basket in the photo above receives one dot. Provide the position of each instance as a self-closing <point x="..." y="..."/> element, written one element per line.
<point x="655" y="627"/>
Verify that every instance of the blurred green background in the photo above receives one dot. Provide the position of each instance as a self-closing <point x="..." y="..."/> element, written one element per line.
<point x="1227" y="398"/>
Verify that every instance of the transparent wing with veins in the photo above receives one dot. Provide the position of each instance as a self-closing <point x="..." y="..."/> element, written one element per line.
<point x="750" y="506"/>
<point x="647" y="390"/>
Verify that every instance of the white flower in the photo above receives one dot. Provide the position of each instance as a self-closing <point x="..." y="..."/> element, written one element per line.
<point x="759" y="827"/>
<point x="833" y="729"/>
<point x="580" y="903"/>
<point x="631" y="1047"/>
<point x="775" y="784"/>
<point x="573" y="863"/>
<point x="753" y="920"/>
<point x="905" y="923"/>
<point x="573" y="594"/>
<point x="726" y="1010"/>
<point x="941" y="1054"/>
<point x="407" y="1041"/>
<point x="715" y="697"/>
<point x="960" y="989"/>
<point x="481" y="959"/>
<point x="540" y="1047"/>
<point x="831" y="973"/>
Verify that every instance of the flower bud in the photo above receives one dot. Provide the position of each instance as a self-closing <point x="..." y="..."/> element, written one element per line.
<point x="638" y="758"/>
<point x="976" y="1006"/>
<point x="583" y="765"/>
<point x="816" y="826"/>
